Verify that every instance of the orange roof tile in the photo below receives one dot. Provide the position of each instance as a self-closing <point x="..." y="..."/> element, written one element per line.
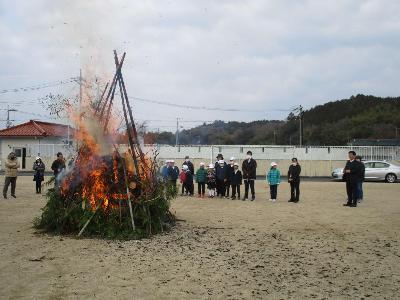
<point x="36" y="128"/>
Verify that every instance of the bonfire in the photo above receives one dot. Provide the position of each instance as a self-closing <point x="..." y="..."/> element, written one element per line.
<point x="111" y="189"/>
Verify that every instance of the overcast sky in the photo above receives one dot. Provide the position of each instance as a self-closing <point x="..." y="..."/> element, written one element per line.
<point x="262" y="57"/>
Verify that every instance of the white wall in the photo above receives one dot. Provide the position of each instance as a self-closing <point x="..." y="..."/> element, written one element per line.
<point x="45" y="147"/>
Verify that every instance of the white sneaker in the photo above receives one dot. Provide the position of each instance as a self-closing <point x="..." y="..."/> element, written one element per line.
<point x="270" y="200"/>
<point x="273" y="200"/>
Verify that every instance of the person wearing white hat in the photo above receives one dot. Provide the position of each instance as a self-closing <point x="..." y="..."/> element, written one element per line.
<point x="211" y="181"/>
<point x="172" y="174"/>
<point x="274" y="179"/>
<point x="38" y="177"/>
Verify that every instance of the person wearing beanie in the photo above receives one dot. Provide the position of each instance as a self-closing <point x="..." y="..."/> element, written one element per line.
<point x="201" y="178"/>
<point x="211" y="181"/>
<point x="274" y="179"/>
<point x="236" y="181"/>
<point x="294" y="180"/>
<point x="249" y="169"/>
<point x="38" y="177"/>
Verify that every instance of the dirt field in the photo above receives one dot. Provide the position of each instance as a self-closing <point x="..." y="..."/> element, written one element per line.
<point x="223" y="249"/>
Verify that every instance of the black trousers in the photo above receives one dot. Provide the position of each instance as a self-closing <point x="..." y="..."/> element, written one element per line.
<point x="201" y="188"/>
<point x="190" y="187"/>
<point x="351" y="189"/>
<point x="273" y="191"/>
<point x="295" y="190"/>
<point x="235" y="188"/>
<point x="38" y="186"/>
<point x="227" y="188"/>
<point x="220" y="187"/>
<point x="247" y="184"/>
<point x="184" y="188"/>
<point x="7" y="182"/>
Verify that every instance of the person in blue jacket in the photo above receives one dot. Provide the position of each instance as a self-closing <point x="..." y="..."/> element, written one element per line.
<point x="274" y="179"/>
<point x="172" y="173"/>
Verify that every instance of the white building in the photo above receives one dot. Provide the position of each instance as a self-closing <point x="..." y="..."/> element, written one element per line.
<point x="36" y="138"/>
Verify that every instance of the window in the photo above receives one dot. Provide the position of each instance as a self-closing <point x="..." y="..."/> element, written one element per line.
<point x="369" y="165"/>
<point x="381" y="165"/>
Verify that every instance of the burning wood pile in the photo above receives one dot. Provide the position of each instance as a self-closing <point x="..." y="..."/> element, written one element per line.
<point x="111" y="190"/>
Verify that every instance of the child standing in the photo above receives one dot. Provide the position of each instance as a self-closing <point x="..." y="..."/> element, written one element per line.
<point x="201" y="178"/>
<point x="236" y="181"/>
<point x="182" y="178"/>
<point x="211" y="181"/>
<point x="274" y="179"/>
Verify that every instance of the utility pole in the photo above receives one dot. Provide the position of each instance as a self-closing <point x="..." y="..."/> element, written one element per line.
<point x="301" y="125"/>
<point x="397" y="128"/>
<point x="177" y="133"/>
<point x="274" y="137"/>
<point x="8" y="124"/>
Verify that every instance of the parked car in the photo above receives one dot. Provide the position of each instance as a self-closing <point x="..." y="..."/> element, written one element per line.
<point x="375" y="171"/>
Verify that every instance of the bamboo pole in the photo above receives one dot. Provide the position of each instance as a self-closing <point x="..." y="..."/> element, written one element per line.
<point x="90" y="219"/>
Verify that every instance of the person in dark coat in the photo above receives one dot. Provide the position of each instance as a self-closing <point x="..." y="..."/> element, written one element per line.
<point x="294" y="180"/>
<point x="38" y="167"/>
<point x="352" y="173"/>
<point x="188" y="180"/>
<point x="188" y="163"/>
<point x="360" y="193"/>
<point x="249" y="168"/>
<point x="221" y="174"/>
<point x="58" y="166"/>
<point x="229" y="177"/>
<point x="236" y="181"/>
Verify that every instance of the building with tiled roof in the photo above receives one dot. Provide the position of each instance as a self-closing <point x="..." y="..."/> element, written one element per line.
<point x="35" y="138"/>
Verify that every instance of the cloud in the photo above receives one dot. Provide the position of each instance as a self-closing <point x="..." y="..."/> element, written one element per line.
<point x="256" y="55"/>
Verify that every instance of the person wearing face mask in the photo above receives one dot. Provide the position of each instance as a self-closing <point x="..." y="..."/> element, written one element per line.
<point x="249" y="168"/>
<point x="294" y="180"/>
<point x="38" y="167"/>
<point x="236" y="181"/>
<point x="11" y="172"/>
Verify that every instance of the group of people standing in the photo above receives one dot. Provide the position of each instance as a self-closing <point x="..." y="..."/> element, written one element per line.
<point x="11" y="172"/>
<point x="225" y="179"/>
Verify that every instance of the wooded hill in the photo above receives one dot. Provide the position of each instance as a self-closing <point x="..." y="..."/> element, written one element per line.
<point x="333" y="123"/>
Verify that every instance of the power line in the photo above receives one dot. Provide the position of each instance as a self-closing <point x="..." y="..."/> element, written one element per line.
<point x="202" y="107"/>
<point x="39" y="86"/>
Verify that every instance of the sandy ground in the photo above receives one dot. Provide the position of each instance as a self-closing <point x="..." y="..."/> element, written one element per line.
<point x="222" y="249"/>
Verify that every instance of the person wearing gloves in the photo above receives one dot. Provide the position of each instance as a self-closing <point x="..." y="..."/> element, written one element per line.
<point x="249" y="168"/>
<point x="294" y="180"/>
<point x="236" y="181"/>
<point x="38" y="167"/>
<point x="221" y="174"/>
<point x="201" y="178"/>
<point x="274" y="179"/>
<point x="11" y="173"/>
<point x="211" y="181"/>
<point x="229" y="177"/>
